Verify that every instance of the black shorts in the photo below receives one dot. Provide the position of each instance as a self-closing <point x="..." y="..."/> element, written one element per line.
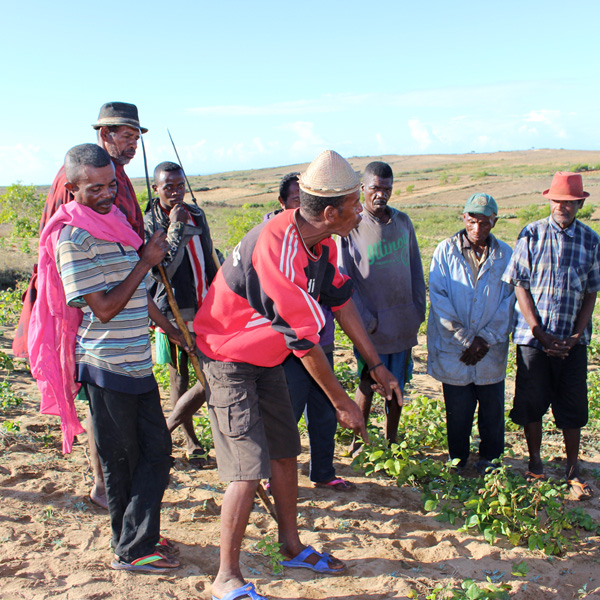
<point x="251" y="418"/>
<point x="544" y="381"/>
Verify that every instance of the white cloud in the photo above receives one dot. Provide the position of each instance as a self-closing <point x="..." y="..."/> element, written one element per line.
<point x="27" y="163"/>
<point x="259" y="145"/>
<point x="324" y="104"/>
<point x="542" y="116"/>
<point x="449" y="97"/>
<point x="308" y="141"/>
<point x="420" y="133"/>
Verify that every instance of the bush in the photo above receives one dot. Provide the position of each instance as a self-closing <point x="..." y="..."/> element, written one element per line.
<point x="582" y="168"/>
<point x="241" y="223"/>
<point x="585" y="213"/>
<point x="533" y="212"/>
<point x="482" y="174"/>
<point x="22" y="206"/>
<point x="142" y="198"/>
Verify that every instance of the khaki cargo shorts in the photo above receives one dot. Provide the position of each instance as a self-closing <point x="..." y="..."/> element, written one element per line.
<point x="251" y="418"/>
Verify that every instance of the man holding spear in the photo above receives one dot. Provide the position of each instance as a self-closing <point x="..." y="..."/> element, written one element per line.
<point x="93" y="307"/>
<point x="190" y="266"/>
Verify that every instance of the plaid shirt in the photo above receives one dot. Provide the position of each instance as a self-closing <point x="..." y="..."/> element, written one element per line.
<point x="558" y="266"/>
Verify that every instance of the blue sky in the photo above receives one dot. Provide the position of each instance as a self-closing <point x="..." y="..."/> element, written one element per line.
<point x="255" y="84"/>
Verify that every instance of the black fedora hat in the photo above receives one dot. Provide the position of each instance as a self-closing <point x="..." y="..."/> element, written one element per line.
<point x="119" y="113"/>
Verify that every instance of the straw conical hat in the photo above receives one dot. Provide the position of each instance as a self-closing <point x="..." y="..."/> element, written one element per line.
<point x="329" y="175"/>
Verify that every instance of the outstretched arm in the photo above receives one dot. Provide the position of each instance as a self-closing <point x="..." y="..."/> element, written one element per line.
<point x="348" y="413"/>
<point x="172" y="332"/>
<point x="349" y="319"/>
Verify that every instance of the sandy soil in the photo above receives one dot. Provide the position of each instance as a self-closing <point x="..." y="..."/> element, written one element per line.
<point x="55" y="544"/>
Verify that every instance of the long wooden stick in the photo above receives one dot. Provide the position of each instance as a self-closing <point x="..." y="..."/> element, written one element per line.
<point x="179" y="319"/>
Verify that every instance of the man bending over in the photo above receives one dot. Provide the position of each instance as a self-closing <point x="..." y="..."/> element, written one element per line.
<point x="263" y="305"/>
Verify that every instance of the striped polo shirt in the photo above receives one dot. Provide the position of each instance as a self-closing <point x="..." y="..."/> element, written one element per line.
<point x="109" y="355"/>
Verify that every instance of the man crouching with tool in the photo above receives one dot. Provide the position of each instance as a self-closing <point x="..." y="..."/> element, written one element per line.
<point x="92" y="278"/>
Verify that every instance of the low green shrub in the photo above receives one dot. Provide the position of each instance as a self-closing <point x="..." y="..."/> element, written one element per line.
<point x="500" y="504"/>
<point x="241" y="222"/>
<point x="11" y="304"/>
<point x="22" y="206"/>
<point x="533" y="212"/>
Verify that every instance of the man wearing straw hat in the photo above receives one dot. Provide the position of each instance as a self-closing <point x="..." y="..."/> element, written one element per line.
<point x="555" y="269"/>
<point x="118" y="128"/>
<point x="263" y="305"/>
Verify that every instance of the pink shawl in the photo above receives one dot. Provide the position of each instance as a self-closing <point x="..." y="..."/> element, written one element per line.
<point x="53" y="324"/>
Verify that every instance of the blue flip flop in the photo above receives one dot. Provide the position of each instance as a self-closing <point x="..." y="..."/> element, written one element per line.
<point x="246" y="590"/>
<point x="321" y="566"/>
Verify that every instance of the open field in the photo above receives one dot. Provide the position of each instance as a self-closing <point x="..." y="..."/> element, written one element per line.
<point x="55" y="544"/>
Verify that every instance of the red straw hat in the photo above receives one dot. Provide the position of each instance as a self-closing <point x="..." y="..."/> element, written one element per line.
<point x="566" y="186"/>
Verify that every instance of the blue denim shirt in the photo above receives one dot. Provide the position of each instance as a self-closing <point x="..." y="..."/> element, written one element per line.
<point x="462" y="308"/>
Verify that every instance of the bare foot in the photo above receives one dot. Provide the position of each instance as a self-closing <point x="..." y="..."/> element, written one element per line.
<point x="98" y="497"/>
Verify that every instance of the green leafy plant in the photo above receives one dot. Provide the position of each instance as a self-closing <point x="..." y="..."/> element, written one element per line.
<point x="6" y="362"/>
<point x="468" y="590"/>
<point x="500" y="504"/>
<point x="271" y="549"/>
<point x="594" y="400"/>
<point x="410" y="188"/>
<point x="11" y="304"/>
<point x="8" y="397"/>
<point x="11" y="427"/>
<point x="161" y="374"/>
<point x="142" y="198"/>
<point x="519" y="569"/>
<point x="202" y="429"/>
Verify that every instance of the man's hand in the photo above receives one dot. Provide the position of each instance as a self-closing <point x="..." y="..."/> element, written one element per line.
<point x="155" y="249"/>
<point x="554" y="346"/>
<point x="386" y="384"/>
<point x="178" y="213"/>
<point x="475" y="352"/>
<point x="351" y="417"/>
<point x="177" y="337"/>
